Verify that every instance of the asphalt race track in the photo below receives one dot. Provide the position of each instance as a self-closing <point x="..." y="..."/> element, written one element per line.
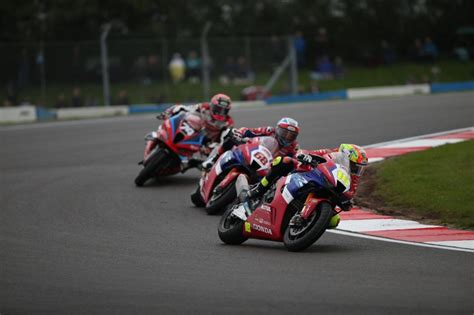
<point x="77" y="236"/>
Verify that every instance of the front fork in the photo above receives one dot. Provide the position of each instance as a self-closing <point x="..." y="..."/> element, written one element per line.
<point x="309" y="207"/>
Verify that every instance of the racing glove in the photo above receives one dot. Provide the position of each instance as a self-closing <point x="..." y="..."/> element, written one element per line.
<point x="346" y="204"/>
<point x="305" y="159"/>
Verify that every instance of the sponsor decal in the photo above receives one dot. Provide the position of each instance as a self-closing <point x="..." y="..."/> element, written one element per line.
<point x="247" y="227"/>
<point x="266" y="208"/>
<point x="261" y="229"/>
<point x="262" y="221"/>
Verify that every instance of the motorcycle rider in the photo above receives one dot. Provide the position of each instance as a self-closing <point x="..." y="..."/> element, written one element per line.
<point x="215" y="117"/>
<point x="352" y="156"/>
<point x="285" y="132"/>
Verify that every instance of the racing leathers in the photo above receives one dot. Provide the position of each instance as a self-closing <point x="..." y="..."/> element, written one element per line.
<point x="281" y="166"/>
<point x="213" y="128"/>
<point x="237" y="135"/>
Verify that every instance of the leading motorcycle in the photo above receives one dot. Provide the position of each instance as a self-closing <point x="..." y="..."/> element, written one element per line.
<point x="295" y="211"/>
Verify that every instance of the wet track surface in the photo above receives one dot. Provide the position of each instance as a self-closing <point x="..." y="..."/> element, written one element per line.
<point x="78" y="237"/>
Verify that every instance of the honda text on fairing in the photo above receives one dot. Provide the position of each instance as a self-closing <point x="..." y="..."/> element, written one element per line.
<point x="251" y="160"/>
<point x="296" y="210"/>
<point x="173" y="148"/>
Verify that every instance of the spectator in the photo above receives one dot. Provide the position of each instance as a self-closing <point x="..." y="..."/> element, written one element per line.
<point x="430" y="51"/>
<point x="61" y="101"/>
<point x="122" y="98"/>
<point x="193" y="66"/>
<point x="230" y="70"/>
<point x="76" y="99"/>
<point x="300" y="48"/>
<point x="324" y="69"/>
<point x="177" y="68"/>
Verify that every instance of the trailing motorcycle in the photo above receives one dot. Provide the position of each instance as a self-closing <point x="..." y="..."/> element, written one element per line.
<point x="247" y="162"/>
<point x="295" y="211"/>
<point x="172" y="148"/>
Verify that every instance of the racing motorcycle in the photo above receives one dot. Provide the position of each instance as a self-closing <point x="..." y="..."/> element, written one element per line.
<point x="172" y="148"/>
<point x="296" y="210"/>
<point x="248" y="161"/>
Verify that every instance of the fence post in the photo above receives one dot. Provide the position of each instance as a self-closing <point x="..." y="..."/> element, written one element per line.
<point x="205" y="60"/>
<point x="105" y="62"/>
<point x="293" y="67"/>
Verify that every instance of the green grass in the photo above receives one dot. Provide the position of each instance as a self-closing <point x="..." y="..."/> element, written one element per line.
<point x="186" y="92"/>
<point x="437" y="183"/>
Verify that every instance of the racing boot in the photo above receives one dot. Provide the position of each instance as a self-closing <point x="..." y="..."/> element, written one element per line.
<point x="209" y="162"/>
<point x="334" y="222"/>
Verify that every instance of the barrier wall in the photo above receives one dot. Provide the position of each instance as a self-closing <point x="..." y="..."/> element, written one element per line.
<point x="18" y="114"/>
<point x="147" y="108"/>
<point x="388" y="91"/>
<point x="89" y="112"/>
<point x="452" y="87"/>
<point x="31" y="113"/>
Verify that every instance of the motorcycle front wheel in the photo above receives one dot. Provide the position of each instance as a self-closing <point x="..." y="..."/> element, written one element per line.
<point x="220" y="200"/>
<point x="297" y="238"/>
<point x="230" y="229"/>
<point x="152" y="165"/>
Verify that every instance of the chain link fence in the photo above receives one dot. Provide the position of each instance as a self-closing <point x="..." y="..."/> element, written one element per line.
<point x="69" y="74"/>
<point x="140" y="71"/>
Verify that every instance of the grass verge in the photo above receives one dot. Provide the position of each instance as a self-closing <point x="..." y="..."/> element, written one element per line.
<point x="434" y="185"/>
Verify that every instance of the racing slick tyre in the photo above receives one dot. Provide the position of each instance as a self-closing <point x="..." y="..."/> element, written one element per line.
<point x="152" y="165"/>
<point x="196" y="198"/>
<point x="230" y="228"/>
<point x="220" y="200"/>
<point x="300" y="237"/>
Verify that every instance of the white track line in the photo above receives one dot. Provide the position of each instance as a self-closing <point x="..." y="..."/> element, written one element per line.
<point x="430" y="245"/>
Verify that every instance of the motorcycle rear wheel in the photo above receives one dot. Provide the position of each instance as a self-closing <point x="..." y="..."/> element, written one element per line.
<point x="230" y="229"/>
<point x="196" y="198"/>
<point x="298" y="239"/>
<point x="152" y="165"/>
<point x="220" y="201"/>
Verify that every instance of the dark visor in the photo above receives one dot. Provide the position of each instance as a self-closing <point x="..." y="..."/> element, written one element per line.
<point x="222" y="110"/>
<point x="357" y="169"/>
<point x="288" y="135"/>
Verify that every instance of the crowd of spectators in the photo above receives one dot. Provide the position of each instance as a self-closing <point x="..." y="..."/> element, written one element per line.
<point x="314" y="54"/>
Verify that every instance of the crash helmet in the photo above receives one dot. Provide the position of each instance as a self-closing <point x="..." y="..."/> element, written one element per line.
<point x="357" y="157"/>
<point x="286" y="131"/>
<point x="220" y="106"/>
